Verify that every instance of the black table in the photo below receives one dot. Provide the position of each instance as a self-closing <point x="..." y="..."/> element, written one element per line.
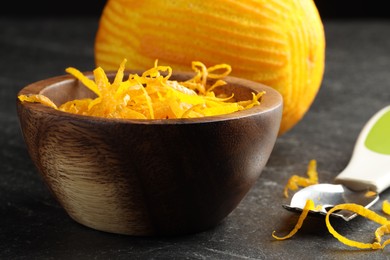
<point x="33" y="226"/>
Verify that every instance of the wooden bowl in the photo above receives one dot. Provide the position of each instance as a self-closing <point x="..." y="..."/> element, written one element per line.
<point x="148" y="177"/>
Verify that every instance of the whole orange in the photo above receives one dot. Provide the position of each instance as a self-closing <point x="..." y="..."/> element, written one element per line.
<point x="280" y="43"/>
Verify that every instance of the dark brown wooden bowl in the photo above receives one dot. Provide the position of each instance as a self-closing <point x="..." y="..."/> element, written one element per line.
<point x="148" y="177"/>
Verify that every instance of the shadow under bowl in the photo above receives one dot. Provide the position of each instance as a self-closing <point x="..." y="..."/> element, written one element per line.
<point x="148" y="177"/>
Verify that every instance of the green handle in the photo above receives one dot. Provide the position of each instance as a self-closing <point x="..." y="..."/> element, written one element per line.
<point x="378" y="138"/>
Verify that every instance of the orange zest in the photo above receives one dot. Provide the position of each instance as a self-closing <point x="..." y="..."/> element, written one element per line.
<point x="308" y="206"/>
<point x="370" y="193"/>
<point x="39" y="99"/>
<point x="386" y="207"/>
<point x="153" y="95"/>
<point x="358" y="209"/>
<point x="296" y="181"/>
<point x="367" y="213"/>
<point x="383" y="229"/>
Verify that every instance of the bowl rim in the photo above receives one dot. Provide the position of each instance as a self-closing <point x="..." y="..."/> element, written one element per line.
<point x="267" y="104"/>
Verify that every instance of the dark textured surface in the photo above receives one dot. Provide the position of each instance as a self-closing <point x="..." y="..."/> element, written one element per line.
<point x="33" y="226"/>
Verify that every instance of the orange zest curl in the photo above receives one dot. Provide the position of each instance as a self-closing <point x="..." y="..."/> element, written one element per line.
<point x="367" y="213"/>
<point x="152" y="95"/>
<point x="386" y="207"/>
<point x="308" y="206"/>
<point x="296" y="181"/>
<point x="39" y="99"/>
<point x="383" y="229"/>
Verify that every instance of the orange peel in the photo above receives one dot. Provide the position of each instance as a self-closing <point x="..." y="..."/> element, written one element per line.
<point x="308" y="206"/>
<point x="383" y="229"/>
<point x="152" y="95"/>
<point x="278" y="43"/>
<point x="39" y="98"/>
<point x="364" y="212"/>
<point x="296" y="181"/>
<point x="386" y="207"/>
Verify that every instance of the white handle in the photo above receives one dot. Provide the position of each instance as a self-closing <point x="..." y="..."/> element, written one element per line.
<point x="369" y="167"/>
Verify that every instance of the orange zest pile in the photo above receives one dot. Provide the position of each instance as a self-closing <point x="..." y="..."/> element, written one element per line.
<point x="152" y="95"/>
<point x="296" y="181"/>
<point x="383" y="229"/>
